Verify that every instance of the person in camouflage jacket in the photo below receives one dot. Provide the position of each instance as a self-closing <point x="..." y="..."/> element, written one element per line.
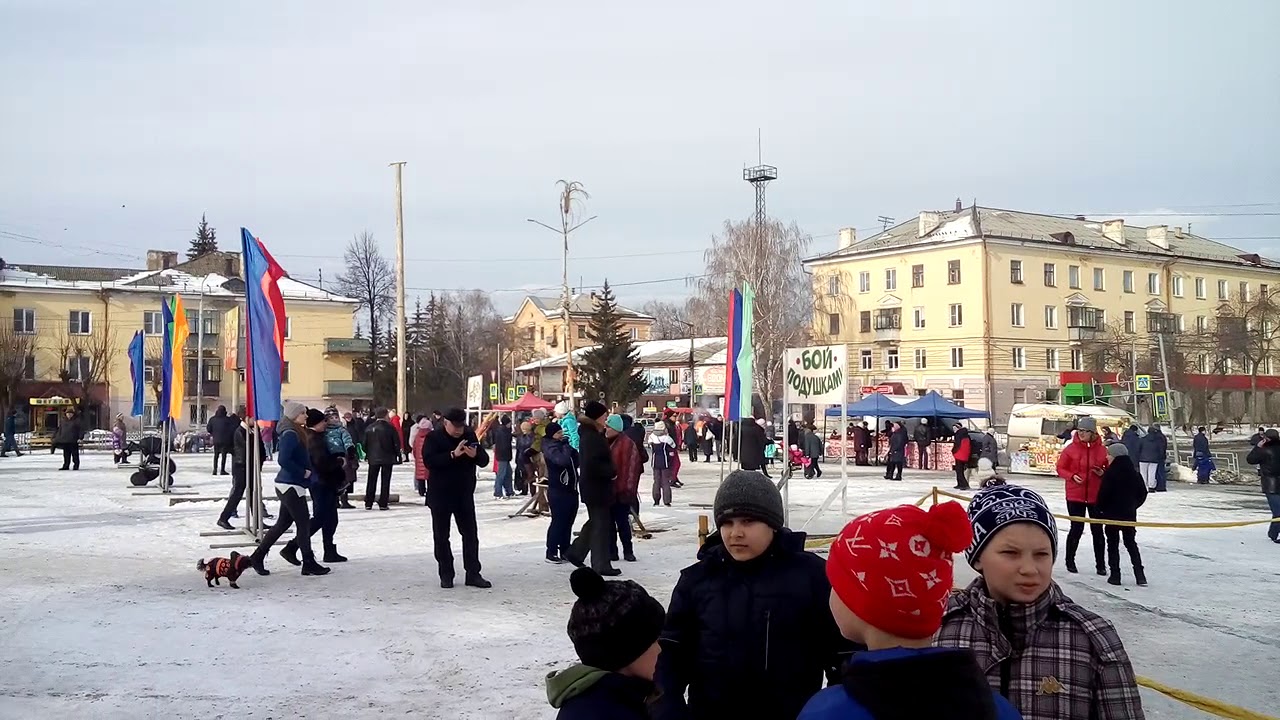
<point x="1048" y="656"/>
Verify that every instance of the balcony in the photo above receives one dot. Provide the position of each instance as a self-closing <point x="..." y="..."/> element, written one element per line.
<point x="888" y="335"/>
<point x="1083" y="334"/>
<point x="211" y="388"/>
<point x="1083" y="323"/>
<point x="362" y="389"/>
<point x="888" y="325"/>
<point x="1162" y="323"/>
<point x="346" y="346"/>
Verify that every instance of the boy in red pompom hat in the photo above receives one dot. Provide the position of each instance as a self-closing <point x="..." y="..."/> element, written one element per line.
<point x="890" y="574"/>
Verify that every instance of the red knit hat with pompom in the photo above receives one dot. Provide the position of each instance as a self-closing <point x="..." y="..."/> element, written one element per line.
<point x="892" y="568"/>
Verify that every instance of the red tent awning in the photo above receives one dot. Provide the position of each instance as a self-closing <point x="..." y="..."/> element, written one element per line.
<point x="527" y="402"/>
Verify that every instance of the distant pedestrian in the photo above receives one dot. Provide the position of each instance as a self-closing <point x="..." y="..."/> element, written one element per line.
<point x="1081" y="465"/>
<point x="222" y="430"/>
<point x="961" y="453"/>
<point x="292" y="481"/>
<point x="382" y="452"/>
<point x="813" y="448"/>
<point x="596" y="486"/>
<point x="10" y="434"/>
<point x="626" y="461"/>
<point x="662" y="453"/>
<point x="503" y="448"/>
<point x="240" y="480"/>
<point x="1152" y="453"/>
<point x="67" y="437"/>
<point x="923" y="440"/>
<point x="562" y="491"/>
<point x="1201" y="457"/>
<point x="896" y="457"/>
<point x="691" y="440"/>
<point x="1121" y="493"/>
<point x="119" y="441"/>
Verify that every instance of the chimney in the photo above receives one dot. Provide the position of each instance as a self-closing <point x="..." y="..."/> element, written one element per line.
<point x="1113" y="230"/>
<point x="848" y="237"/>
<point x="161" y="259"/>
<point x="1177" y="231"/>
<point x="1158" y="235"/>
<point x="928" y="222"/>
<point x="959" y="207"/>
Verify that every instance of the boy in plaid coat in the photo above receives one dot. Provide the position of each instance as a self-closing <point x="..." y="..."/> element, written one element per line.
<point x="1048" y="656"/>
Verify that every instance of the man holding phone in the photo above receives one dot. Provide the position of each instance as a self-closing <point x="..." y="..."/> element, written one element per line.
<point x="452" y="453"/>
<point x="1081" y="465"/>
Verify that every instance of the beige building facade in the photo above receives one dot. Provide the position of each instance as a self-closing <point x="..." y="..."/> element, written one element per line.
<point x="538" y="325"/>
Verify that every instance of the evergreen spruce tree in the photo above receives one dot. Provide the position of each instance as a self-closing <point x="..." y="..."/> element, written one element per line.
<point x="608" y="371"/>
<point x="205" y="241"/>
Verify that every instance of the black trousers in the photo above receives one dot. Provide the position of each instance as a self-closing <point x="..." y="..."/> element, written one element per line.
<point x="71" y="456"/>
<point x="595" y="538"/>
<point x="293" y="510"/>
<point x="962" y="482"/>
<point x="1114" y="533"/>
<point x="239" y="487"/>
<point x="1079" y="509"/>
<point x="221" y="453"/>
<point x="693" y="451"/>
<point x="372" y="485"/>
<point x="922" y="455"/>
<point x="461" y="510"/>
<point x="893" y="469"/>
<point x="324" y="516"/>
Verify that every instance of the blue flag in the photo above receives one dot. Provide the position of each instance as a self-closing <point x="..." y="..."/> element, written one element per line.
<point x="136" y="364"/>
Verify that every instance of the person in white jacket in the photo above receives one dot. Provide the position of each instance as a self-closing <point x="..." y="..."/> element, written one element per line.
<point x="662" y="451"/>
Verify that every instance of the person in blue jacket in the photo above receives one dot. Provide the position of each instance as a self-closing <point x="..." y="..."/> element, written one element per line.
<point x="890" y="574"/>
<point x="292" y="481"/>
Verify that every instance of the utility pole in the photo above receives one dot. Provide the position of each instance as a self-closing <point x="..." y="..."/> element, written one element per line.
<point x="692" y="372"/>
<point x="1168" y="390"/>
<point x="200" y="356"/>
<point x="401" y="390"/>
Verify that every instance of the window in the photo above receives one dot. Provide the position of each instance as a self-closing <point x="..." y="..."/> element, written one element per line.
<point x="833" y="323"/>
<point x="150" y="370"/>
<point x="833" y="285"/>
<point x="1202" y="363"/>
<point x="957" y="357"/>
<point x="152" y="322"/>
<point x="202" y="410"/>
<point x="1100" y="319"/>
<point x="891" y="359"/>
<point x="151" y="415"/>
<point x="1128" y="281"/>
<point x="957" y="315"/>
<point x="1130" y="322"/>
<point x="1262" y="291"/>
<point x="864" y="321"/>
<point x="1073" y="277"/>
<point x="1050" y="317"/>
<point x="922" y="358"/>
<point x="80" y="322"/>
<point x="1175" y="285"/>
<point x="1099" y="279"/>
<point x="917" y="276"/>
<point x="1077" y="358"/>
<point x="1051" y="359"/>
<point x="1015" y="314"/>
<point x="288" y="327"/>
<point x="1226" y="366"/>
<point x="864" y="360"/>
<point x="284" y="371"/>
<point x="1019" y="395"/>
<point x="1199" y="288"/>
<point x="635" y="332"/>
<point x="1153" y="283"/>
<point x="582" y="332"/>
<point x="864" y="282"/>
<point x="1222" y="289"/>
<point x="917" y="318"/>
<point x="1015" y="272"/>
<point x="1202" y="323"/>
<point x="1019" y="358"/>
<point x="957" y="397"/>
<point x="24" y="320"/>
<point x="953" y="272"/>
<point x="890" y="319"/>
<point x="891" y="279"/>
<point x="1267" y="367"/>
<point x="1050" y="275"/>
<point x="78" y="368"/>
<point x="212" y="322"/>
<point x="1244" y="292"/>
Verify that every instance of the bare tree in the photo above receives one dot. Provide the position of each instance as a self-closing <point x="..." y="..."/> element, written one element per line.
<point x="1248" y="336"/>
<point x="15" y="348"/>
<point x="368" y="279"/>
<point x="86" y="359"/>
<point x="769" y="259"/>
<point x="670" y="319"/>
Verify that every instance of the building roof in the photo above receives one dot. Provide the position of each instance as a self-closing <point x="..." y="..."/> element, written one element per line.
<point x="72" y="273"/>
<point x="580" y="304"/>
<point x="653" y="353"/>
<point x="976" y="221"/>
<point x="57" y="277"/>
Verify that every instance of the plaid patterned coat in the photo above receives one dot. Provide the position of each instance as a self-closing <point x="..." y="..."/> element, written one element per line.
<point x="1052" y="659"/>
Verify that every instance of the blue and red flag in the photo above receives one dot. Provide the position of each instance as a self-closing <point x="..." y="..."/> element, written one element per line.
<point x="264" y="329"/>
<point x="732" y="381"/>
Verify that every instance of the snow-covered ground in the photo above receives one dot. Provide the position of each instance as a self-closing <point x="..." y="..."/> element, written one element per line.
<point x="105" y="616"/>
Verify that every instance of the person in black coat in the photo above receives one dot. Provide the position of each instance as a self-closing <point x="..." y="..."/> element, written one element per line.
<point x="896" y="459"/>
<point x="330" y="479"/>
<point x="240" y="472"/>
<point x="501" y="439"/>
<point x="691" y="440"/>
<point x="749" y="631"/>
<point x="595" y="484"/>
<point x="751" y="445"/>
<point x="222" y="431"/>
<point x="67" y="437"/>
<point x="1266" y="455"/>
<point x="382" y="452"/>
<point x="923" y="439"/>
<point x="452" y="455"/>
<point x="1120" y="494"/>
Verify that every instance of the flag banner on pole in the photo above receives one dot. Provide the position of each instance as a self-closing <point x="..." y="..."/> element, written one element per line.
<point x="166" y="361"/>
<point x="264" y="318"/>
<point x="137" y="362"/>
<point x="732" y="384"/>
<point x="747" y="353"/>
<point x="231" y="329"/>
<point x="176" y="332"/>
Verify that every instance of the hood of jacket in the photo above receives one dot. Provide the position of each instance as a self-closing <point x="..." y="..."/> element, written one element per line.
<point x="886" y="684"/>
<point x="564" y="685"/>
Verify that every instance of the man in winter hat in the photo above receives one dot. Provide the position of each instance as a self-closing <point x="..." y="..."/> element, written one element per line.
<point x="614" y="627"/>
<point x="890" y="575"/>
<point x="596" y="486"/>
<point x="749" y="631"/>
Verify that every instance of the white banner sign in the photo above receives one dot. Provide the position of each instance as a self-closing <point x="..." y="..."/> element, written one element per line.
<point x="815" y="375"/>
<point x="475" y="391"/>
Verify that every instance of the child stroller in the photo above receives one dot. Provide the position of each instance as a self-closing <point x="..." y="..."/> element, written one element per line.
<point x="151" y="448"/>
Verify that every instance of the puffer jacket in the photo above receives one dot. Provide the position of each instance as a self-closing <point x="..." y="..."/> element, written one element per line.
<point x="69" y="432"/>
<point x="1153" y="447"/>
<point x="562" y="465"/>
<point x="1122" y="491"/>
<point x="748" y="639"/>
<point x="1052" y="658"/>
<point x="962" y="447"/>
<point x="1082" y="459"/>
<point x="1267" y="458"/>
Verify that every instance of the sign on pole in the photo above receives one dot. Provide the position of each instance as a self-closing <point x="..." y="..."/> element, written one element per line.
<point x="1142" y="383"/>
<point x="521" y="390"/>
<point x="475" y="391"/>
<point x="511" y="394"/>
<point x="1162" y="405"/>
<point x="493" y="391"/>
<point x="815" y="375"/>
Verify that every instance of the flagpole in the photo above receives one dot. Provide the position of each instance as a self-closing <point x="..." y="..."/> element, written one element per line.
<point x="401" y="390"/>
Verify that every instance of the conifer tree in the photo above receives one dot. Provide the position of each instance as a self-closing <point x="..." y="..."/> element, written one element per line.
<point x="608" y="371"/>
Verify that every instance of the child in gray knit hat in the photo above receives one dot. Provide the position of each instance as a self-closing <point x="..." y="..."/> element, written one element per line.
<point x="749" y="631"/>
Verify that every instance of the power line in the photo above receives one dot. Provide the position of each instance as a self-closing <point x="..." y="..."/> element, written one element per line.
<point x="511" y="259"/>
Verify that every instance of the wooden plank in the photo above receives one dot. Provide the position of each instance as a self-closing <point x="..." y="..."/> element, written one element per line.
<point x="247" y="542"/>
<point x="221" y="533"/>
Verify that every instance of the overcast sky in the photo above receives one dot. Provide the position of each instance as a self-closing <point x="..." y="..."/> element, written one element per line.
<point x="124" y="121"/>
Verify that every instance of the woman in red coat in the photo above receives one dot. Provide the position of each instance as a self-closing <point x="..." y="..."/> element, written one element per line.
<point x="419" y="467"/>
<point x="1081" y="465"/>
<point x="961" y="452"/>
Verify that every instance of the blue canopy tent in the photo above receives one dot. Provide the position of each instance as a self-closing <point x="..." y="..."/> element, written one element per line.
<point x="933" y="405"/>
<point x="874" y="404"/>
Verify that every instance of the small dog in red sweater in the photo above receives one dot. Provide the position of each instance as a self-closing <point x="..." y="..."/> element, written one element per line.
<point x="230" y="568"/>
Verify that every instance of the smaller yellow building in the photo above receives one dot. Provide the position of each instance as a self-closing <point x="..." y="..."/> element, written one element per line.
<point x="538" y="325"/>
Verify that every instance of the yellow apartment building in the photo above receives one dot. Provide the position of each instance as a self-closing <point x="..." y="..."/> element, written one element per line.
<point x="538" y="325"/>
<point x="79" y="322"/>
<point x="995" y="307"/>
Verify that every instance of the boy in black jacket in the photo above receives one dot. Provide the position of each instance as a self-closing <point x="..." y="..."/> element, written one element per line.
<point x="1120" y="495"/>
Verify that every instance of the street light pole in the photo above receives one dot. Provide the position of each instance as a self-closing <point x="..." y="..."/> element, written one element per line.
<point x="401" y="390"/>
<point x="693" y="380"/>
<point x="200" y="356"/>
<point x="564" y="230"/>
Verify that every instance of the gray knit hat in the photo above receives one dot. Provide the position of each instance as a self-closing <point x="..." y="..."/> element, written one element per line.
<point x="1116" y="449"/>
<point x="748" y="493"/>
<point x="293" y="409"/>
<point x="1087" y="424"/>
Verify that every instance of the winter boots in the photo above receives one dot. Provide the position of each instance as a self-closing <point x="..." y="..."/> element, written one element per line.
<point x="331" y="554"/>
<point x="314" y="568"/>
<point x="1139" y="576"/>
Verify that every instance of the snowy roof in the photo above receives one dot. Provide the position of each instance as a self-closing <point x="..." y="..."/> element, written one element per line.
<point x="653" y="353"/>
<point x="580" y="304"/>
<point x="41" y="277"/>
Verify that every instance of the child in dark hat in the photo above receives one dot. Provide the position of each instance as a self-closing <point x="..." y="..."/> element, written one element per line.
<point x="749" y="631"/>
<point x="614" y="627"/>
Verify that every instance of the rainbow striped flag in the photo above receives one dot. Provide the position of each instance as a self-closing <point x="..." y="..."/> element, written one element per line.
<point x="172" y="362"/>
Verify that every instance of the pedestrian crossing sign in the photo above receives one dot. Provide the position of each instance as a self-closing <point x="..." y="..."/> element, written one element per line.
<point x="511" y="394"/>
<point x="493" y="391"/>
<point x="521" y="390"/>
<point x="1142" y="383"/>
<point x="1162" y="406"/>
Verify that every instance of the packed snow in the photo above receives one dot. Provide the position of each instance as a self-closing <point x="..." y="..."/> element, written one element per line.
<point x="105" y="615"/>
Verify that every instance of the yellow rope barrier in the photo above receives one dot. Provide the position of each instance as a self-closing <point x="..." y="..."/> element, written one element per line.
<point x="1128" y="523"/>
<point x="1204" y="704"/>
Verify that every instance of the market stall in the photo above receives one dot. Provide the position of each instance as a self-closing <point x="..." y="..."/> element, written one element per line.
<point x="1038" y="431"/>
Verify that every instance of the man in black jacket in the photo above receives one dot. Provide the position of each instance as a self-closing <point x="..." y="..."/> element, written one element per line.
<point x="595" y="484"/>
<point x="1266" y="455"/>
<point x="381" y="451"/>
<point x="222" y="430"/>
<point x="452" y="455"/>
<point x="501" y="439"/>
<point x="240" y="471"/>
<point x="1120" y="493"/>
<point x="923" y="439"/>
<point x="67" y="437"/>
<point x="751" y="449"/>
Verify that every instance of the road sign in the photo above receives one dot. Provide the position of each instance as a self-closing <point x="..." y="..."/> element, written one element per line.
<point x="511" y="394"/>
<point x="1162" y="406"/>
<point x="521" y="390"/>
<point x="1142" y="383"/>
<point x="493" y="391"/>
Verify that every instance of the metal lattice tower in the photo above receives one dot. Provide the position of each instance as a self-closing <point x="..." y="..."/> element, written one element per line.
<point x="759" y="177"/>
